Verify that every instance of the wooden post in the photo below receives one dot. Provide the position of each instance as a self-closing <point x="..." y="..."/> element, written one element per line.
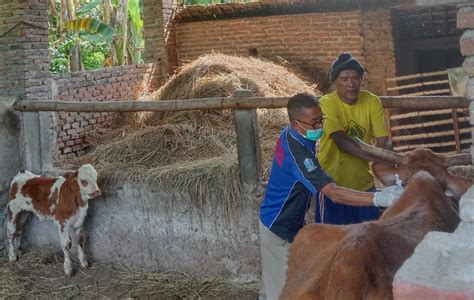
<point x="248" y="145"/>
<point x="457" y="137"/>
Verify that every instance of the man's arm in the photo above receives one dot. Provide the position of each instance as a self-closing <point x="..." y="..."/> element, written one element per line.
<point x="384" y="142"/>
<point x="352" y="147"/>
<point x="346" y="196"/>
<point x="384" y="198"/>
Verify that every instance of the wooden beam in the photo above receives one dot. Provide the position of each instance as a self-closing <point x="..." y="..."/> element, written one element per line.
<point x="431" y="102"/>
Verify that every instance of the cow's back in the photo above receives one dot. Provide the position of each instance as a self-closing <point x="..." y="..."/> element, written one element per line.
<point x="338" y="262"/>
<point x="309" y="260"/>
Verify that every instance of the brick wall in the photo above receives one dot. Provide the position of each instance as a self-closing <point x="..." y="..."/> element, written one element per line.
<point x="310" y="41"/>
<point x="313" y="39"/>
<point x="24" y="56"/>
<point x="170" y="59"/>
<point x="117" y="83"/>
<point x="153" y="31"/>
<point x="25" y="75"/>
<point x="379" y="48"/>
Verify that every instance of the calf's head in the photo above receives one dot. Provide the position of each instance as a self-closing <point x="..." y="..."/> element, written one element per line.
<point x="392" y="165"/>
<point x="87" y="179"/>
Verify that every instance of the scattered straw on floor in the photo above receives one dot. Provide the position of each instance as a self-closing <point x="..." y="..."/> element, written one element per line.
<point x="181" y="285"/>
<point x="39" y="275"/>
<point x="194" y="152"/>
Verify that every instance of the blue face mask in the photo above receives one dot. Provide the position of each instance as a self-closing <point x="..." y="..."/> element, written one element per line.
<point x="314" y="134"/>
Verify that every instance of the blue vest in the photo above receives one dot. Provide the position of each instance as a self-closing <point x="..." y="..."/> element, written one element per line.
<point x="295" y="175"/>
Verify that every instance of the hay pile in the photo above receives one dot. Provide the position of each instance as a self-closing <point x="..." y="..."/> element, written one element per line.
<point x="194" y="152"/>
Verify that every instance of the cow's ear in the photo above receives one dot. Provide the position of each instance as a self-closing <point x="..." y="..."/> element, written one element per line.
<point x="385" y="172"/>
<point x="71" y="175"/>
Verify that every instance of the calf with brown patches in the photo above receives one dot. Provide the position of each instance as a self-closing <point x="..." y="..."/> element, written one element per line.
<point x="63" y="199"/>
<point x="359" y="261"/>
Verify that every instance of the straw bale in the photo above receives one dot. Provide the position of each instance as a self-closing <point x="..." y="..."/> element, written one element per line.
<point x="194" y="152"/>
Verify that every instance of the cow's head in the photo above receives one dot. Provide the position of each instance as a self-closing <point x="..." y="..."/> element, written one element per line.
<point x="87" y="178"/>
<point x="392" y="165"/>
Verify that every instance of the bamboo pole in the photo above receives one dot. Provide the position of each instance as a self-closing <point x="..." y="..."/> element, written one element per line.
<point x="388" y="126"/>
<point x="433" y="102"/>
<point x="415" y="76"/>
<point x="428" y="135"/>
<point x="431" y="92"/>
<point x="428" y="124"/>
<point x="420" y="84"/>
<point x="431" y="145"/>
<point x="457" y="131"/>
<point x="422" y="113"/>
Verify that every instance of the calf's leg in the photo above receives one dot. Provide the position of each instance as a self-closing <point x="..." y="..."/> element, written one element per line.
<point x="66" y="245"/>
<point x="80" y="246"/>
<point x="21" y="219"/>
<point x="12" y="234"/>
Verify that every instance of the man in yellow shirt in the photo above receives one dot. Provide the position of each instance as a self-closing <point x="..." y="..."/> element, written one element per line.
<point x="350" y="114"/>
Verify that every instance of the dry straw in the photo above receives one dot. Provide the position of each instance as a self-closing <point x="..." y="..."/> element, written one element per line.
<point x="194" y="152"/>
<point x="39" y="274"/>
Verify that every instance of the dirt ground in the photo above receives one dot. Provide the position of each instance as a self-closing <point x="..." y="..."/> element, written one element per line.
<point x="38" y="274"/>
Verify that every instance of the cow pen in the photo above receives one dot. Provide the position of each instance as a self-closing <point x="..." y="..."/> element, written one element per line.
<point x="203" y="240"/>
<point x="141" y="229"/>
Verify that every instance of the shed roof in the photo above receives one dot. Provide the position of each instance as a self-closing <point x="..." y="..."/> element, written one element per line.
<point x="238" y="10"/>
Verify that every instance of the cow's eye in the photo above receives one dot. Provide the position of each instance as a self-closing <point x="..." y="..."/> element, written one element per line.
<point x="84" y="182"/>
<point x="397" y="165"/>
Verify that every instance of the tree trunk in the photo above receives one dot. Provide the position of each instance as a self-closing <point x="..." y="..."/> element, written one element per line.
<point x="120" y="42"/>
<point x="75" y="53"/>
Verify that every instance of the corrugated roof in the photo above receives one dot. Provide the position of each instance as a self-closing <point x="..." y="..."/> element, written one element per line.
<point x="239" y="10"/>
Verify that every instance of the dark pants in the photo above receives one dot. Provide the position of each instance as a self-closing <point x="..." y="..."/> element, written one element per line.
<point x="329" y="212"/>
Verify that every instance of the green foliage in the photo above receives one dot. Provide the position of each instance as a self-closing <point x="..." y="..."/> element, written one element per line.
<point x="92" y="26"/>
<point x="89" y="9"/>
<point x="93" y="56"/>
<point x="94" y="35"/>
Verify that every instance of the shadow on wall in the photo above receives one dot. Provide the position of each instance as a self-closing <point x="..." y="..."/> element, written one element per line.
<point x="10" y="161"/>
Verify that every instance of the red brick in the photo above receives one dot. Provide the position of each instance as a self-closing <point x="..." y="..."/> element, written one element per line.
<point x="468" y="65"/>
<point x="467" y="43"/>
<point x="67" y="150"/>
<point x="465" y="17"/>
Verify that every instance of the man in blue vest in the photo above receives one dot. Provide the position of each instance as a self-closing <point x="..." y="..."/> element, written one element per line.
<point x="296" y="175"/>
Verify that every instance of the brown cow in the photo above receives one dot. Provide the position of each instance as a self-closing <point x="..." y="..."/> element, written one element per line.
<point x="63" y="199"/>
<point x="359" y="261"/>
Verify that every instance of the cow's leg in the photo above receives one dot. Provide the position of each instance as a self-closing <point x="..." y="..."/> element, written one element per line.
<point x="66" y="245"/>
<point x="80" y="246"/>
<point x="22" y="217"/>
<point x="12" y="234"/>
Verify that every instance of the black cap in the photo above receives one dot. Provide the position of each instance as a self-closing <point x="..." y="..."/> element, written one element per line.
<point x="345" y="61"/>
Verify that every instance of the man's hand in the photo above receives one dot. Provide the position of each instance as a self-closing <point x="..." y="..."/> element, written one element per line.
<point x="388" y="196"/>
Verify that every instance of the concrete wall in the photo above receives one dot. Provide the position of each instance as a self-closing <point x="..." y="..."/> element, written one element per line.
<point x="442" y="266"/>
<point x="141" y="227"/>
<point x="10" y="161"/>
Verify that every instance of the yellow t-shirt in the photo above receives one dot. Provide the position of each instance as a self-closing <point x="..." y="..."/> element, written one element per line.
<point x="364" y="120"/>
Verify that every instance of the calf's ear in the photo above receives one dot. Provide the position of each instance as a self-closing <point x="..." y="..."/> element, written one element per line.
<point x="70" y="175"/>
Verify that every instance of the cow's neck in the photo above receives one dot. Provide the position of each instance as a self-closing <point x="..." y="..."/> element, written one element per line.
<point x="421" y="209"/>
